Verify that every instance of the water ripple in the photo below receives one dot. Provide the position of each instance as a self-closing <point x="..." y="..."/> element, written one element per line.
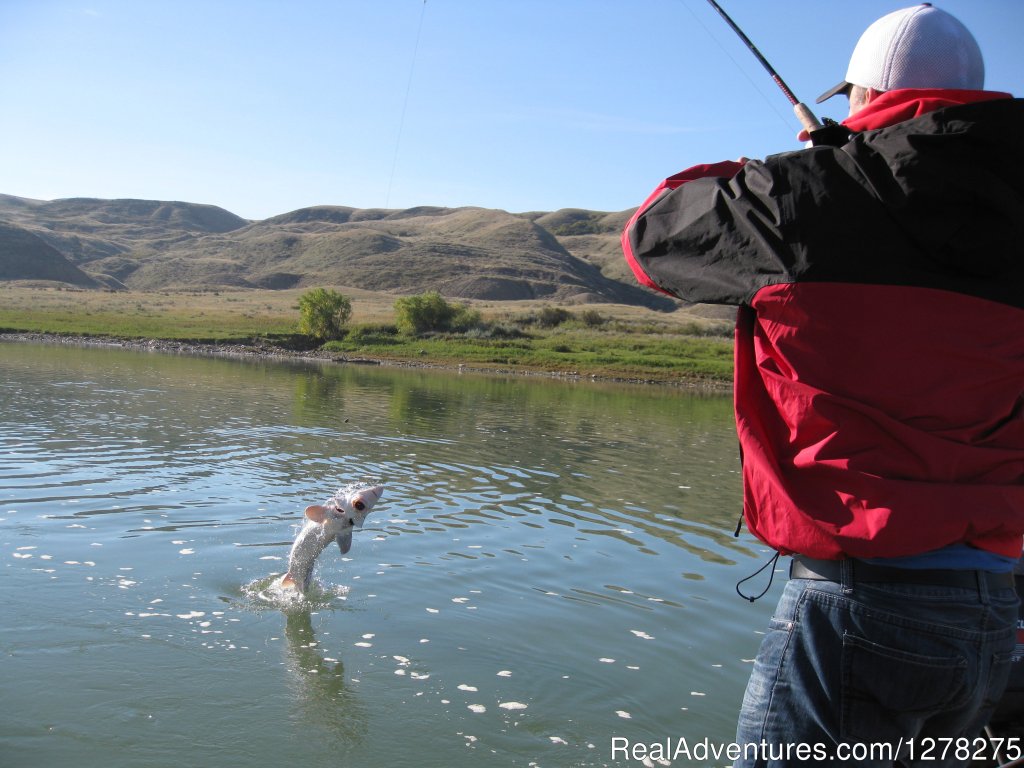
<point x="544" y="558"/>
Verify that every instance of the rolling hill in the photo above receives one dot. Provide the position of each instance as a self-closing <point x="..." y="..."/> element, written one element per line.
<point x="567" y="256"/>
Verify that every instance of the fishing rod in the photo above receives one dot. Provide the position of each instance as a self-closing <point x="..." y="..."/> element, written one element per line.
<point x="803" y="113"/>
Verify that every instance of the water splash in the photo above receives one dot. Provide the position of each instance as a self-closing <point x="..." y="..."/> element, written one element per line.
<point x="267" y="592"/>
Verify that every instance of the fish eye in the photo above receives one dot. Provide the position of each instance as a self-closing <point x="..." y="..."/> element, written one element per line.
<point x="358" y="504"/>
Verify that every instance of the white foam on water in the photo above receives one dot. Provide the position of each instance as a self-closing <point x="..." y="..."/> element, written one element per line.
<point x="470" y="688"/>
<point x="623" y="714"/>
<point x="642" y="635"/>
<point x="513" y="705"/>
<point x="478" y="708"/>
<point x="504" y="673"/>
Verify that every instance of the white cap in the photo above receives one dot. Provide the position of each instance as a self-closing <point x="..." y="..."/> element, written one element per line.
<point x="917" y="47"/>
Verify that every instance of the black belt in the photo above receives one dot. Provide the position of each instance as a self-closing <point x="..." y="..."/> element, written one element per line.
<point x="831" y="570"/>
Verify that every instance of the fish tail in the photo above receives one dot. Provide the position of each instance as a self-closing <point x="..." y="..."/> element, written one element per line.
<point x="287" y="582"/>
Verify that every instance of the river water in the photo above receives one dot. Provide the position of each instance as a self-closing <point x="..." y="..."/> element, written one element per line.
<point x="550" y="573"/>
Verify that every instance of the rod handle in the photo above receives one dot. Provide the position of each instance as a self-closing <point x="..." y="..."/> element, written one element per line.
<point x="806" y="118"/>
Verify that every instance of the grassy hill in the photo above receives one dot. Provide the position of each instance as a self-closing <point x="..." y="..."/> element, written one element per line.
<point x="26" y="256"/>
<point x="568" y="256"/>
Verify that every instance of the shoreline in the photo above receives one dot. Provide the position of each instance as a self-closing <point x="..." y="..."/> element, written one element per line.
<point x="263" y="351"/>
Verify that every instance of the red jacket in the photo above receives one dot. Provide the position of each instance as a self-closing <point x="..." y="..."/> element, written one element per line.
<point x="879" y="386"/>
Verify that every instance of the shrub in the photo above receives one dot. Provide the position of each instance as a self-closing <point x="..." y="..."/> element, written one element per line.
<point x="500" y="331"/>
<point x="465" y="319"/>
<point x="428" y="312"/>
<point x="550" y="317"/>
<point x="324" y="313"/>
<point x="592" y="318"/>
<point x="366" y="335"/>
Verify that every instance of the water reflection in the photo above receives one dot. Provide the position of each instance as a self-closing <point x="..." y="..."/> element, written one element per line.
<point x="322" y="697"/>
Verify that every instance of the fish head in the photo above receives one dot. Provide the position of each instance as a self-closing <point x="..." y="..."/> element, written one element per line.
<point x="356" y="504"/>
<point x="331" y="518"/>
<point x="343" y="512"/>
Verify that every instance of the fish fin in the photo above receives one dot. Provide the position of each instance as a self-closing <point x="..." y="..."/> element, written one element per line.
<point x="345" y="541"/>
<point x="317" y="513"/>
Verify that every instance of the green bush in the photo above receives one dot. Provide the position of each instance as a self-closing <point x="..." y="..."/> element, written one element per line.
<point x="551" y="317"/>
<point x="324" y="313"/>
<point x="366" y="335"/>
<point x="492" y="331"/>
<point x="465" y="319"/>
<point x="592" y="318"/>
<point x="429" y="312"/>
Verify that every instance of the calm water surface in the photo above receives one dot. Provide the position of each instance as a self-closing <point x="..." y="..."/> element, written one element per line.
<point x="552" y="565"/>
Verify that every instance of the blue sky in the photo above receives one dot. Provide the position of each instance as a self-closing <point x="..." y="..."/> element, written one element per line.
<point x="263" y="107"/>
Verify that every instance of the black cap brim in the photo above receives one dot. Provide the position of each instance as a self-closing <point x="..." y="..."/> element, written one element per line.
<point x="842" y="87"/>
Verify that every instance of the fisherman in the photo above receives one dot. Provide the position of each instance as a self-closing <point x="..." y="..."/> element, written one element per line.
<point x="879" y="394"/>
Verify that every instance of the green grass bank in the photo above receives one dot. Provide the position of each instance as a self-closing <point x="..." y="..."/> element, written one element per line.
<point x="598" y="341"/>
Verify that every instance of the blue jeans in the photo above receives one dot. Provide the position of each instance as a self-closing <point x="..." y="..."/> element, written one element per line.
<point x="876" y="665"/>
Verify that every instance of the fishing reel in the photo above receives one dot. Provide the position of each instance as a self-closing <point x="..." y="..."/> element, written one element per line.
<point x="831" y="134"/>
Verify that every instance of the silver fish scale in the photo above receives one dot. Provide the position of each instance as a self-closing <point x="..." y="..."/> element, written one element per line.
<point x="312" y="539"/>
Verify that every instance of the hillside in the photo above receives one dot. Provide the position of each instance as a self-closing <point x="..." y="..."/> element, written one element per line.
<point x="569" y="256"/>
<point x="26" y="256"/>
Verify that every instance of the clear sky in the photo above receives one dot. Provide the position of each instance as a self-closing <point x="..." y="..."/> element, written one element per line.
<point x="266" y="106"/>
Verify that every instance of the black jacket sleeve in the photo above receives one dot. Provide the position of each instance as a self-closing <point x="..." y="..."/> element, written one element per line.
<point x="715" y="240"/>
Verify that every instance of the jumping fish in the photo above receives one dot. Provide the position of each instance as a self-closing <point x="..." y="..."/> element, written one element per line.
<point x="331" y="521"/>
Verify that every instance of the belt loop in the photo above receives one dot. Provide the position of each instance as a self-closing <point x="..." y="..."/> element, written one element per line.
<point x="846" y="575"/>
<point x="982" y="586"/>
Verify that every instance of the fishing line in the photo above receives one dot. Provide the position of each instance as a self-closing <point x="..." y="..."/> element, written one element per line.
<point x="770" y="102"/>
<point x="405" y="104"/>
